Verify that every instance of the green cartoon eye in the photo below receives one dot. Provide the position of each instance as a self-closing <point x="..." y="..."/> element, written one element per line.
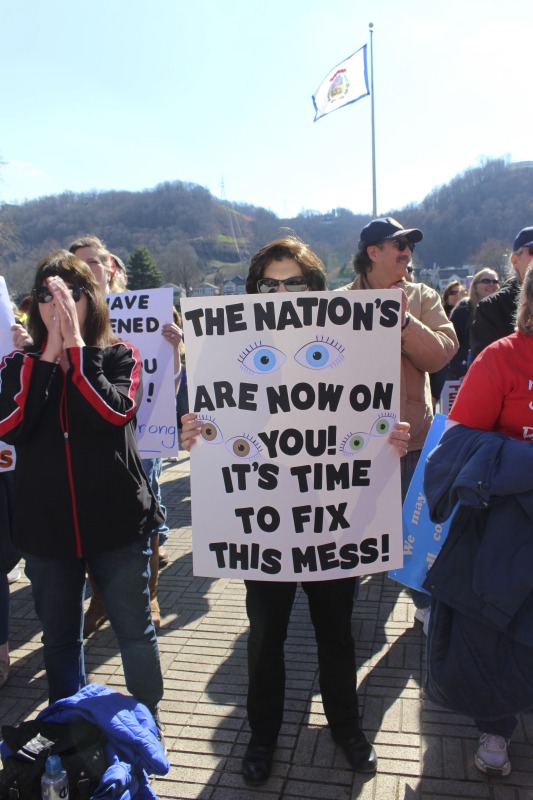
<point x="383" y="425"/>
<point x="353" y="443"/>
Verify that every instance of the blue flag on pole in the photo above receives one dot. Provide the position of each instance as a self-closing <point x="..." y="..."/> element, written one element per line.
<point x="344" y="84"/>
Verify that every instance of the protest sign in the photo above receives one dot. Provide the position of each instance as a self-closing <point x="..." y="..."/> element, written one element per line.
<point x="137" y="317"/>
<point x="292" y="477"/>
<point x="448" y="395"/>
<point x="422" y="538"/>
<point x="7" y="319"/>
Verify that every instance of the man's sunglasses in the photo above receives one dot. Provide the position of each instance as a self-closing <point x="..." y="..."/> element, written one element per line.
<point x="296" y="284"/>
<point x="44" y="295"/>
<point x="486" y="281"/>
<point x="403" y="244"/>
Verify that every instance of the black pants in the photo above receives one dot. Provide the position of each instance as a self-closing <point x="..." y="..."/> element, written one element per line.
<point x="269" y="606"/>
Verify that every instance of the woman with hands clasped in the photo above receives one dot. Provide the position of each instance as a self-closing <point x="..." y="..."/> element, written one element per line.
<point x="68" y="404"/>
<point x="289" y="265"/>
<point x="110" y="272"/>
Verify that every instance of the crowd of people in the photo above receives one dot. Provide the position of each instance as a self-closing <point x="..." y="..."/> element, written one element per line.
<point x="71" y="390"/>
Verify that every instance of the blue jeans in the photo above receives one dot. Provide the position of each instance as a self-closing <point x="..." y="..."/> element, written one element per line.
<point x="121" y="575"/>
<point x="152" y="467"/>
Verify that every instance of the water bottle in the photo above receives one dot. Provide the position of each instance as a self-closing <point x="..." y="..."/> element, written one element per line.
<point x="54" y="782"/>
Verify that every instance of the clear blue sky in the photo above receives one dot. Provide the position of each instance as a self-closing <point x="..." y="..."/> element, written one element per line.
<point x="124" y="94"/>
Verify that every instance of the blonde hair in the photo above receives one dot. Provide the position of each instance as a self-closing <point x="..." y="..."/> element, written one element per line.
<point x="524" y="309"/>
<point x="114" y="283"/>
<point x="483" y="273"/>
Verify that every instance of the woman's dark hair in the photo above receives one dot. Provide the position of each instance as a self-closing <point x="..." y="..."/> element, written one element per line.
<point x="455" y="284"/>
<point x="97" y="330"/>
<point x="287" y="247"/>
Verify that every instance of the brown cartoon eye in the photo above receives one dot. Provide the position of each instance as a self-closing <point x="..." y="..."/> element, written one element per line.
<point x="241" y="448"/>
<point x="244" y="447"/>
<point x="210" y="432"/>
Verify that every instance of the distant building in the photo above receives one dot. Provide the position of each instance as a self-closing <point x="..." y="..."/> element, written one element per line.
<point x="236" y="285"/>
<point x="204" y="289"/>
<point x="178" y="292"/>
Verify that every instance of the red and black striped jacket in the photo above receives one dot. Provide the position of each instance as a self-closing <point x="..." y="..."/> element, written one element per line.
<point x="79" y="484"/>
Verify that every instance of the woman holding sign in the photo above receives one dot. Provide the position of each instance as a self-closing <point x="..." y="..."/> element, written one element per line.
<point x="480" y="648"/>
<point x="288" y="265"/>
<point x="68" y="403"/>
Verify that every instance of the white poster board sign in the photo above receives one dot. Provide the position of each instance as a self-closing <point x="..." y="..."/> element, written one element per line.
<point x="137" y="317"/>
<point x="7" y="319"/>
<point x="448" y="395"/>
<point x="293" y="477"/>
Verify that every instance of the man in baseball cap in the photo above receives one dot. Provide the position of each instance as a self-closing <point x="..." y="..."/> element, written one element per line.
<point x="381" y="230"/>
<point x="495" y="315"/>
<point x="428" y="339"/>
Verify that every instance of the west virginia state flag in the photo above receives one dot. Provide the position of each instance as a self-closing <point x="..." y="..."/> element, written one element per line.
<point x="346" y="83"/>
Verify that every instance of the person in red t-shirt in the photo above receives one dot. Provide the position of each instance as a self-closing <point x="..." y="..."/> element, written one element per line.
<point x="497" y="395"/>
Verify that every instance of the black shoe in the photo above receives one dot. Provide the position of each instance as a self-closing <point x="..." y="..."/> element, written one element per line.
<point x="359" y="752"/>
<point x="160" y="728"/>
<point x="257" y="764"/>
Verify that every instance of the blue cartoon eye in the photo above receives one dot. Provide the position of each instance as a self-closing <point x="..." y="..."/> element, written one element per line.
<point x="323" y="352"/>
<point x="210" y="432"/>
<point x="260" y="359"/>
<point x="354" y="443"/>
<point x="245" y="447"/>
<point x="383" y="425"/>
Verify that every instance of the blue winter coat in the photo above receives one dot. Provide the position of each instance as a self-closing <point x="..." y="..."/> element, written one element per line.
<point x="480" y="643"/>
<point x="133" y="750"/>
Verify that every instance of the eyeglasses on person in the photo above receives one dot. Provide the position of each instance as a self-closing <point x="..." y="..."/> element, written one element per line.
<point x="487" y="281"/>
<point x="403" y="244"/>
<point x="44" y="295"/>
<point x="295" y="284"/>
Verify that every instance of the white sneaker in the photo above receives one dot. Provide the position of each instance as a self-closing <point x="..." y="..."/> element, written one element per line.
<point x="14" y="575"/>
<point x="491" y="757"/>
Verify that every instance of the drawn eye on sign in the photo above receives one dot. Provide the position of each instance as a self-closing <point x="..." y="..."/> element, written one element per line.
<point x="245" y="447"/>
<point x="321" y="353"/>
<point x="263" y="359"/>
<point x="354" y="443"/>
<point x="259" y="359"/>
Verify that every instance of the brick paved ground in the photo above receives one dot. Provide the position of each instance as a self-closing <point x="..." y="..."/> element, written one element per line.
<point x="424" y="753"/>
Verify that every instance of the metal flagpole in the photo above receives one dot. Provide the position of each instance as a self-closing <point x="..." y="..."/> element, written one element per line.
<point x="374" y="192"/>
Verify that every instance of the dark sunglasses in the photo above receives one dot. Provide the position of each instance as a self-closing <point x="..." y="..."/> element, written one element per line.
<point x="403" y="244"/>
<point x="530" y="251"/>
<point x="44" y="295"/>
<point x="296" y="284"/>
<point x="486" y="281"/>
<point x="453" y="291"/>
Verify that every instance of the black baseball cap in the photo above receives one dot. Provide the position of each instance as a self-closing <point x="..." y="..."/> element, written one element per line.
<point x="379" y="230"/>
<point x="523" y="239"/>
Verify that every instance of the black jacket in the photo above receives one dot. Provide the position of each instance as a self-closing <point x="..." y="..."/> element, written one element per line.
<point x="494" y="317"/>
<point x="462" y="320"/>
<point x="79" y="485"/>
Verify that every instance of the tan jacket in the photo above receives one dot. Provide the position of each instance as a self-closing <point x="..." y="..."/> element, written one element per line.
<point x="428" y="343"/>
